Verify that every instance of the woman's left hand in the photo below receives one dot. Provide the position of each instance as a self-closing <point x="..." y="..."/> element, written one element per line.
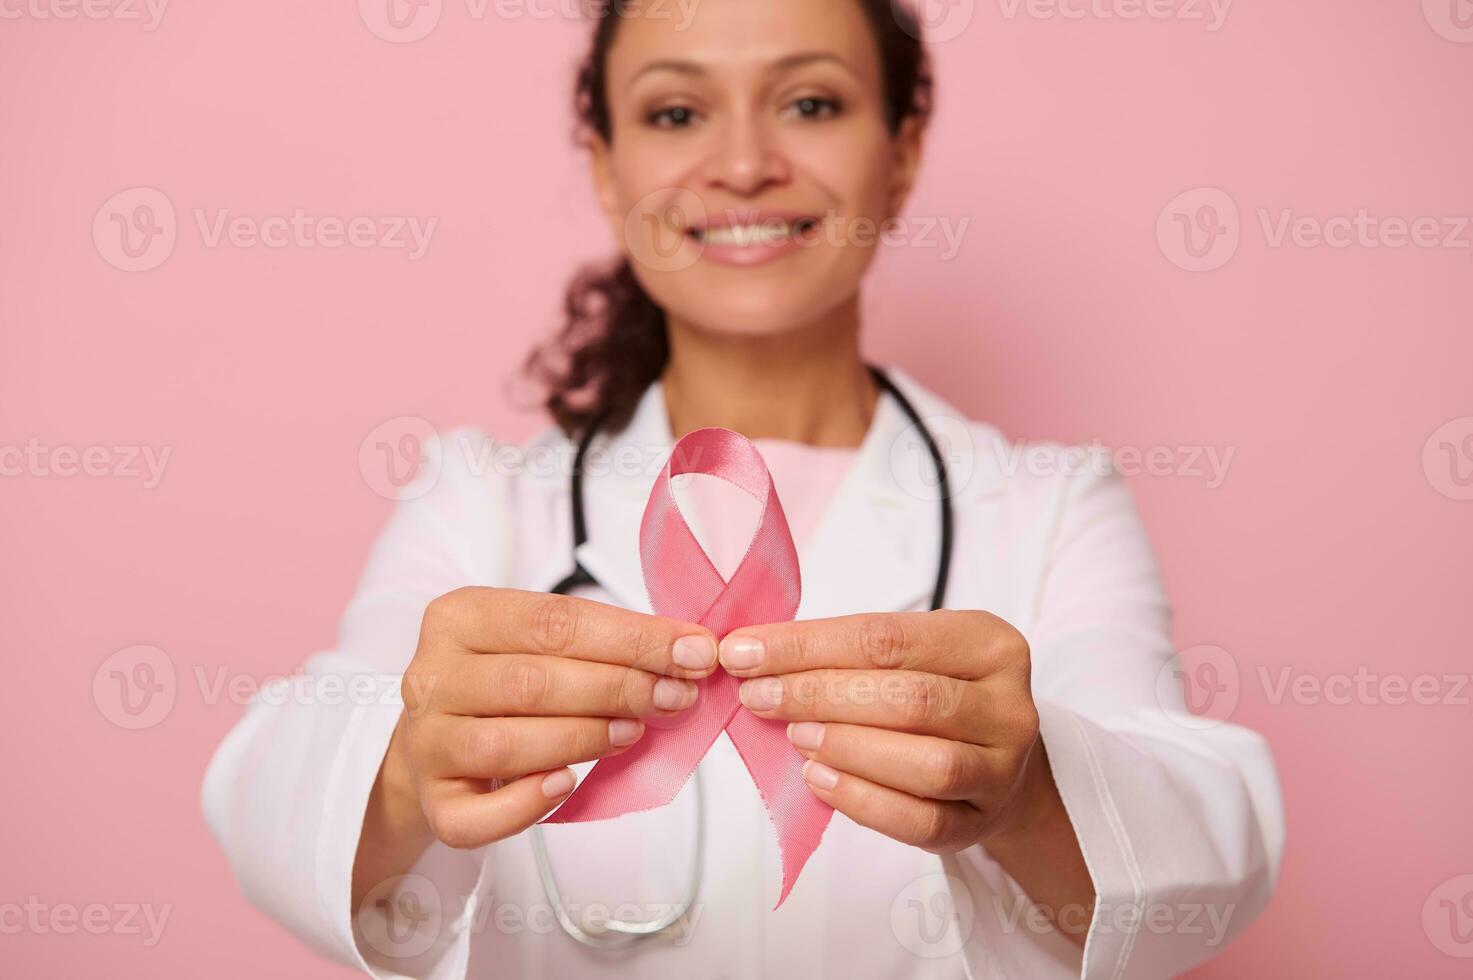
<point x="918" y="725"/>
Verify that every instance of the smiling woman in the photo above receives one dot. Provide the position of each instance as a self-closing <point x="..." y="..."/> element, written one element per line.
<point x="815" y="122"/>
<point x="1013" y="790"/>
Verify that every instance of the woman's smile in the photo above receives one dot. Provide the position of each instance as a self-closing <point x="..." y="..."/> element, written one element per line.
<point x="754" y="238"/>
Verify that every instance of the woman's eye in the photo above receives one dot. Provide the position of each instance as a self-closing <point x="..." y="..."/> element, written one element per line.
<point x="816" y="107"/>
<point x="674" y="117"/>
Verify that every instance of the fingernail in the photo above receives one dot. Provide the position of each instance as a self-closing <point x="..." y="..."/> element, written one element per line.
<point x="625" y="731"/>
<point x="819" y="775"/>
<point x="762" y="693"/>
<point x="741" y="652"/>
<point x="806" y="734"/>
<point x="694" y="652"/>
<point x="671" y="693"/>
<point x="557" y="784"/>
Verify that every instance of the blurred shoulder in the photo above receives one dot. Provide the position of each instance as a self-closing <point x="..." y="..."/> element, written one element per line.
<point x="1031" y="475"/>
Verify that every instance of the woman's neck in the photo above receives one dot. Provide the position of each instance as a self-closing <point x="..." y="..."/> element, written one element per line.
<point x="807" y="385"/>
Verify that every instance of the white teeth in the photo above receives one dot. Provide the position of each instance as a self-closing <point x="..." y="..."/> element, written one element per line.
<point x="743" y="236"/>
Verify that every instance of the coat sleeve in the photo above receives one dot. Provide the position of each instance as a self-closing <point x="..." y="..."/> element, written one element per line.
<point x="1178" y="816"/>
<point x="285" y="792"/>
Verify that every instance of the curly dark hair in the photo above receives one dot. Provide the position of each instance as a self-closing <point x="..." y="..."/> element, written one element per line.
<point x="613" y="343"/>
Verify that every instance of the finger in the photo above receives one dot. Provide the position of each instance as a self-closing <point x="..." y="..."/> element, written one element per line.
<point x="550" y="686"/>
<point x="508" y="748"/>
<point x="921" y="765"/>
<point x="902" y="700"/>
<point x="463" y="814"/>
<point x="955" y="643"/>
<point x="484" y="620"/>
<point x="933" y="825"/>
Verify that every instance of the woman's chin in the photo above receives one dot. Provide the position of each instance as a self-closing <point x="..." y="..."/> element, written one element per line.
<point x="743" y="318"/>
<point x="756" y="309"/>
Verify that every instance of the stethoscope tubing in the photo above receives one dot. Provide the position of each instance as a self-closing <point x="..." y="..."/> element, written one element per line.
<point x="580" y="576"/>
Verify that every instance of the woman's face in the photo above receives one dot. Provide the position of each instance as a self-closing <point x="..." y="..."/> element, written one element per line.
<point x="751" y="169"/>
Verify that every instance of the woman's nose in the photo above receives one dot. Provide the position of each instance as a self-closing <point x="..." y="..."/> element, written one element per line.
<point x="745" y="159"/>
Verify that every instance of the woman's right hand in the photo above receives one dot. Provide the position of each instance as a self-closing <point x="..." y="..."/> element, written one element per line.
<point x="506" y="690"/>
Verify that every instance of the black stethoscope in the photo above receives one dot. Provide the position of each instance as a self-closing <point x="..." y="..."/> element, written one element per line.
<point x="581" y="576"/>
<point x="619" y="933"/>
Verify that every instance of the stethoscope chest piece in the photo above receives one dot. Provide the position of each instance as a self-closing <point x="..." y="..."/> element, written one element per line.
<point x="620" y="933"/>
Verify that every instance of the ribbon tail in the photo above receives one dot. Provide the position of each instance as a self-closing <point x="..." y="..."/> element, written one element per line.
<point x="652" y="773"/>
<point x="799" y="817"/>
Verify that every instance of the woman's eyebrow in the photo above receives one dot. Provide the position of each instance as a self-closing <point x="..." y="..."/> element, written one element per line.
<point x="786" y="63"/>
<point x="689" y="68"/>
<point x="792" y="61"/>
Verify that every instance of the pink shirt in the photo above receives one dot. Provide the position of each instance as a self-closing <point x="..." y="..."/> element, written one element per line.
<point x="723" y="517"/>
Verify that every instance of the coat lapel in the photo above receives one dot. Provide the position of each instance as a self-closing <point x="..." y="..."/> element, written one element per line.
<point x="877" y="548"/>
<point x="619" y="475"/>
<point x="874" y="549"/>
<point x="868" y="552"/>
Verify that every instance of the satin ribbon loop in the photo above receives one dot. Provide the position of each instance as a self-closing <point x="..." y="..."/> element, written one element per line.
<point x="682" y="583"/>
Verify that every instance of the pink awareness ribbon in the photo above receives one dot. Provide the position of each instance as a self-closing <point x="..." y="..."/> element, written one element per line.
<point x="683" y="584"/>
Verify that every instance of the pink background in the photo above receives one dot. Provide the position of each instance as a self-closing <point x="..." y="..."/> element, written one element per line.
<point x="1334" y="542"/>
